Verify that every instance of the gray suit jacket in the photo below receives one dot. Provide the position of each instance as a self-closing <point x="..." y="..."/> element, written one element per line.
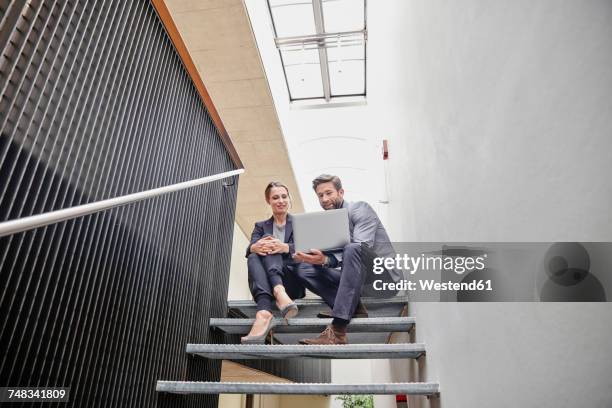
<point x="366" y="227"/>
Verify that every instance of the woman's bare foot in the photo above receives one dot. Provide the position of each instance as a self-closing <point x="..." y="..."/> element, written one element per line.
<point x="282" y="299"/>
<point x="261" y="324"/>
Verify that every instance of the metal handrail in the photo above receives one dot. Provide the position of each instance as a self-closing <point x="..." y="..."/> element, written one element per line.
<point x="40" y="220"/>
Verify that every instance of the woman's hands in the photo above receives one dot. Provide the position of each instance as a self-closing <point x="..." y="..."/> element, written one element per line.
<point x="269" y="246"/>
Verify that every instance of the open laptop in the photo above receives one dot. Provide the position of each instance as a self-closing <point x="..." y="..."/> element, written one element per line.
<point x="324" y="230"/>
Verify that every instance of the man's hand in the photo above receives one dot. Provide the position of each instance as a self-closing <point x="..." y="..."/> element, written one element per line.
<point x="316" y="257"/>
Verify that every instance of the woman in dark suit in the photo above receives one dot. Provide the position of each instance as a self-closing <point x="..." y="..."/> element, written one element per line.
<point x="270" y="265"/>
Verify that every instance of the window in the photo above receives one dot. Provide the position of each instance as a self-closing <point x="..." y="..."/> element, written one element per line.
<point x="322" y="45"/>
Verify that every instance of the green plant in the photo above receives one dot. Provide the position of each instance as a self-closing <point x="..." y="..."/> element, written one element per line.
<point x="356" y="401"/>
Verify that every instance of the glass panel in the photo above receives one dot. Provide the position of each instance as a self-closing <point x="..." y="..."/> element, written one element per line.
<point x="303" y="73"/>
<point x="346" y="50"/>
<point x="347" y="69"/>
<point x="343" y="15"/>
<point x="292" y="18"/>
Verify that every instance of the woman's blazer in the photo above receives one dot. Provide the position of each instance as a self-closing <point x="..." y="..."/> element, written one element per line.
<point x="263" y="228"/>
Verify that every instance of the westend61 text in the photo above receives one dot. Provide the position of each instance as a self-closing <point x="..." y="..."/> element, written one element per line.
<point x="432" y="285"/>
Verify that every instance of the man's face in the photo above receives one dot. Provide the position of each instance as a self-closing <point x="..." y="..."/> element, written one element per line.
<point x="329" y="197"/>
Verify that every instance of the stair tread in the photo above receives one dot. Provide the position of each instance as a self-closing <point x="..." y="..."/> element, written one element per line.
<point x="315" y="325"/>
<point x="188" y="387"/>
<point x="319" y="302"/>
<point x="344" y="351"/>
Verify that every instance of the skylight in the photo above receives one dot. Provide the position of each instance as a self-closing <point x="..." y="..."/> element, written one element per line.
<point x="322" y="45"/>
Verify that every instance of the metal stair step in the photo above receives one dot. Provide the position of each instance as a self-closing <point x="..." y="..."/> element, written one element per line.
<point x="282" y="351"/>
<point x="186" y="387"/>
<point x="316" y="301"/>
<point x="315" y="325"/>
<point x="389" y="307"/>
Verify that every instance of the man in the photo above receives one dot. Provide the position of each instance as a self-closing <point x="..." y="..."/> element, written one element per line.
<point x="341" y="288"/>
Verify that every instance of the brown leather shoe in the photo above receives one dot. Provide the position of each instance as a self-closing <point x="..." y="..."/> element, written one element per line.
<point x="360" y="311"/>
<point x="331" y="335"/>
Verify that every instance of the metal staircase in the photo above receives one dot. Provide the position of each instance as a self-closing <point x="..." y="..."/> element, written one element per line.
<point x="368" y="339"/>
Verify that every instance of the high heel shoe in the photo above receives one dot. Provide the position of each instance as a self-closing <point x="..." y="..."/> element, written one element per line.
<point x="289" y="311"/>
<point x="260" y="339"/>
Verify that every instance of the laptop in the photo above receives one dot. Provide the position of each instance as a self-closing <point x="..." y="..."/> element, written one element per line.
<point x="324" y="230"/>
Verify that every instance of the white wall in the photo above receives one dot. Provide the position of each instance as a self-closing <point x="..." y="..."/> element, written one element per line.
<point x="501" y="116"/>
<point x="502" y="122"/>
<point x="515" y="355"/>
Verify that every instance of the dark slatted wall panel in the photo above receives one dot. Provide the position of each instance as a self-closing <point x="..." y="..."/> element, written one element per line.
<point x="95" y="104"/>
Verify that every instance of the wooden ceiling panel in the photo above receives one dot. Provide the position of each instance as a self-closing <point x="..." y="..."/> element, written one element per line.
<point x="227" y="65"/>
<point x="211" y="29"/>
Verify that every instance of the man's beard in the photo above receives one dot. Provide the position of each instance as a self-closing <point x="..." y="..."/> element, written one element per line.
<point x="338" y="203"/>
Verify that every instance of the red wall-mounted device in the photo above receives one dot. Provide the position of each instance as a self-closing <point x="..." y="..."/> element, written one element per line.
<point x="385" y="150"/>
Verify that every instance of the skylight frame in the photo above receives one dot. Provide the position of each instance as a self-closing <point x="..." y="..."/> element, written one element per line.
<point x="322" y="45"/>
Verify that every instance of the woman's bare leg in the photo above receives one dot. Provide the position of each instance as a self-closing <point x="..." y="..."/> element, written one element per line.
<point x="262" y="319"/>
<point x="282" y="299"/>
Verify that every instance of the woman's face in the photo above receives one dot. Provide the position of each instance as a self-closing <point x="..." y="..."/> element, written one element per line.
<point x="279" y="200"/>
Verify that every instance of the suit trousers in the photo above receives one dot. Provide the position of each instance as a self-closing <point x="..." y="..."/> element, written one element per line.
<point x="265" y="272"/>
<point x="339" y="288"/>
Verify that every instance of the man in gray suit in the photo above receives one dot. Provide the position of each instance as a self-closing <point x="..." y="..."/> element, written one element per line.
<point x="339" y="277"/>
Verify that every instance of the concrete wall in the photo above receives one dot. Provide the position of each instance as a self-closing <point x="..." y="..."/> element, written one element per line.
<point x="514" y="355"/>
<point x="501" y="118"/>
<point x="502" y="122"/>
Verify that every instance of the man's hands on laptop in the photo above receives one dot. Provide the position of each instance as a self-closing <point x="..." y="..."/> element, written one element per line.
<point x="315" y="257"/>
<point x="269" y="245"/>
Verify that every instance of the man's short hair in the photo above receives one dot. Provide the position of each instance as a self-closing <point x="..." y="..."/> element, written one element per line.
<point x="326" y="178"/>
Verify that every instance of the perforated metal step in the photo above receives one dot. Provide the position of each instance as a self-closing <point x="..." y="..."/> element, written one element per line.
<point x="183" y="387"/>
<point x="348" y="351"/>
<point x="310" y="307"/>
<point x="315" y="325"/>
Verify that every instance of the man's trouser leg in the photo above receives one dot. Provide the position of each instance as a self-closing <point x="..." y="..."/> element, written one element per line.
<point x="319" y="280"/>
<point x="351" y="282"/>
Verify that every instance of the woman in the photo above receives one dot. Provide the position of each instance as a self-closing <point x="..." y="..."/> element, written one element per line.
<point x="270" y="265"/>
